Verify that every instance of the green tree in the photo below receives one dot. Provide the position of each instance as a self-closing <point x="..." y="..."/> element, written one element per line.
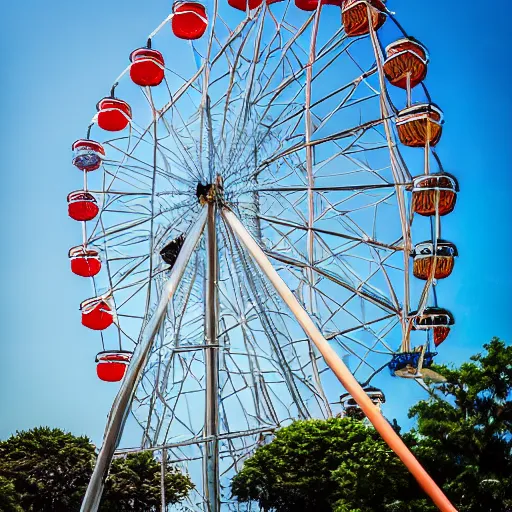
<point x="134" y="484"/>
<point x="337" y="464"/>
<point x="463" y="434"/>
<point x="9" y="498"/>
<point x="463" y="438"/>
<point x="47" y="470"/>
<point x="48" y="467"/>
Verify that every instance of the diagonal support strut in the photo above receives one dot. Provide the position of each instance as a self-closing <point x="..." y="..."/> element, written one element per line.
<point x="338" y="366"/>
<point x="211" y="431"/>
<point x="124" y="398"/>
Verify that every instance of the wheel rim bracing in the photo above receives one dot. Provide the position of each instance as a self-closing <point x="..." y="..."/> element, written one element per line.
<point x="283" y="117"/>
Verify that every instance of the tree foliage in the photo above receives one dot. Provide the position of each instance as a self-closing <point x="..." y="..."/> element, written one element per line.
<point x="48" y="467"/>
<point x="463" y="437"/>
<point x="337" y="464"/>
<point x="463" y="434"/>
<point x="9" y="498"/>
<point x="47" y="470"/>
<point x="134" y="484"/>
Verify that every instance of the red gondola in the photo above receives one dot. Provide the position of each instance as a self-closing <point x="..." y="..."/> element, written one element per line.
<point x="355" y="16"/>
<point x="439" y="320"/>
<point x="96" y="314"/>
<point x="147" y="68"/>
<point x="420" y="124"/>
<point x="311" y="5"/>
<point x="242" y="5"/>
<point x="114" y="115"/>
<point x="434" y="192"/>
<point x="85" y="261"/>
<point x="88" y="155"/>
<point x="423" y="259"/>
<point x="190" y="20"/>
<point x="406" y="58"/>
<point x="82" y="206"/>
<point x="111" y="365"/>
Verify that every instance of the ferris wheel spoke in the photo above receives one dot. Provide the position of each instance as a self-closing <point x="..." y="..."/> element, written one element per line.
<point x="259" y="352"/>
<point x="319" y="231"/>
<point x="125" y="274"/>
<point x="268" y="328"/>
<point x="332" y="188"/>
<point x="353" y="273"/>
<point x="127" y="335"/>
<point x="140" y="169"/>
<point x="189" y="159"/>
<point x="352" y="352"/>
<point x="171" y="402"/>
<point x="380" y="337"/>
<point x="374" y="299"/>
<point x="119" y="230"/>
<point x="362" y="324"/>
<point x="382" y="267"/>
<point x="335" y="206"/>
<point x="344" y="103"/>
<point x="126" y="180"/>
<point x="288" y="242"/>
<point x="356" y="342"/>
<point x="334" y="137"/>
<point x="286" y="119"/>
<point x="240" y="120"/>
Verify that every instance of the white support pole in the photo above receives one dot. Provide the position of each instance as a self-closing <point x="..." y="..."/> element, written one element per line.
<point x="163" y="472"/>
<point x="124" y="398"/>
<point x="211" y="358"/>
<point x="338" y="366"/>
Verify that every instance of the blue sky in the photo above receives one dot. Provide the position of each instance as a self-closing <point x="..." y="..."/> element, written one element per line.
<point x="59" y="59"/>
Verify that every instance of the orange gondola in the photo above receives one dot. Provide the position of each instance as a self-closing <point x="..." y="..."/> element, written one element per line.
<point x="434" y="192"/>
<point x="439" y="320"/>
<point x="423" y="259"/>
<point x="420" y="124"/>
<point x="355" y="16"/>
<point x="406" y="62"/>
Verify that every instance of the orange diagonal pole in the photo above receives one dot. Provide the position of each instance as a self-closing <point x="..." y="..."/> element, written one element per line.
<point x="339" y="368"/>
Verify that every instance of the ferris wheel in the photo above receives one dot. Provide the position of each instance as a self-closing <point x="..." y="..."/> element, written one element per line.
<point x="261" y="197"/>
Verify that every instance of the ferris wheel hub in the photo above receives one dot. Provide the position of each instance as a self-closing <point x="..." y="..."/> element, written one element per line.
<point x="211" y="192"/>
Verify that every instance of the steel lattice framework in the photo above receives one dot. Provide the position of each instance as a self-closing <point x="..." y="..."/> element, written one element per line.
<point x="289" y="126"/>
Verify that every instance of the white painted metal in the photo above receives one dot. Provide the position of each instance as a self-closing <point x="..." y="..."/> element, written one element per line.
<point x="338" y="366"/>
<point x="124" y="398"/>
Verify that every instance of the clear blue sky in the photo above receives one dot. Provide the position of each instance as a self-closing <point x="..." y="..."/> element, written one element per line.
<point x="59" y="58"/>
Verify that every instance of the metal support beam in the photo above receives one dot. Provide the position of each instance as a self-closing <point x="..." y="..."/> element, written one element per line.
<point x="211" y="357"/>
<point x="338" y="366"/>
<point x="163" y="471"/>
<point x="124" y="398"/>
